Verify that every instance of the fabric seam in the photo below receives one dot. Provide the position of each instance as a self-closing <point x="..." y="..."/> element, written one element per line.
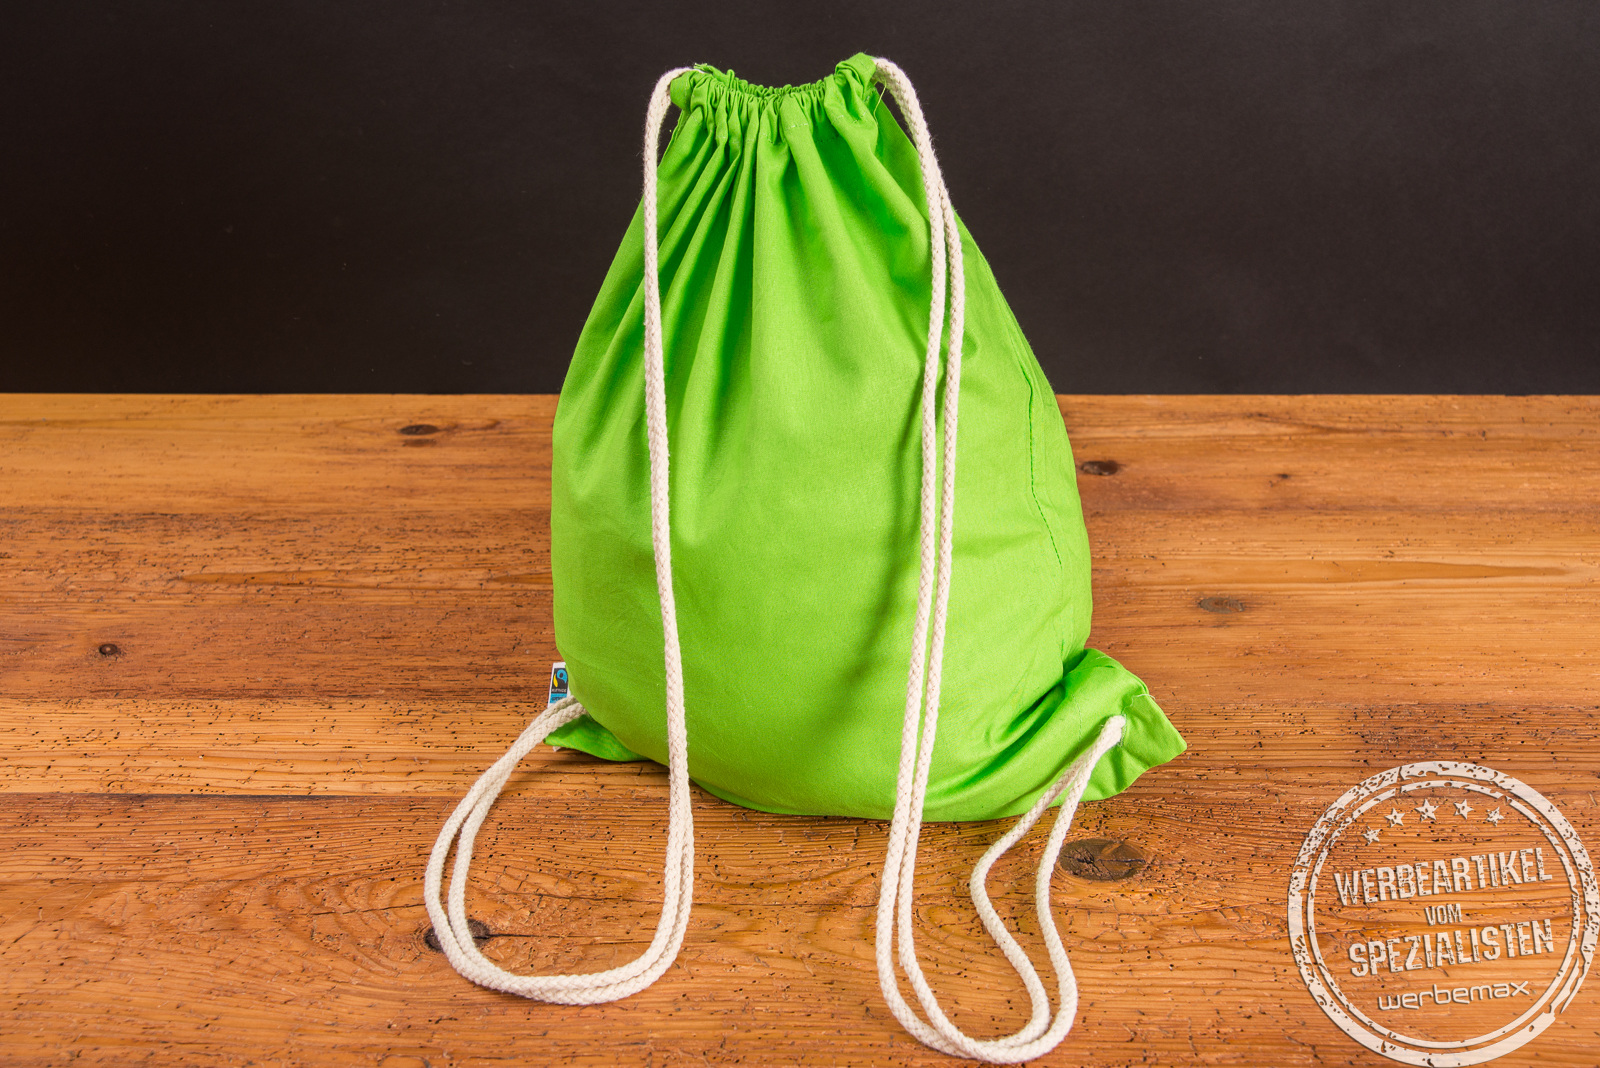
<point x="1033" y="474"/>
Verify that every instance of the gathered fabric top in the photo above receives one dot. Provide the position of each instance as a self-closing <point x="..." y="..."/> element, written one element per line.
<point x="738" y="108"/>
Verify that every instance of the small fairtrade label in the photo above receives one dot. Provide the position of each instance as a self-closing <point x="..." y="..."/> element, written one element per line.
<point x="558" y="681"/>
<point x="1443" y="913"/>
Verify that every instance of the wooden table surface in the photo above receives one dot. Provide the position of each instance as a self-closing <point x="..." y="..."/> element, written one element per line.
<point x="253" y="648"/>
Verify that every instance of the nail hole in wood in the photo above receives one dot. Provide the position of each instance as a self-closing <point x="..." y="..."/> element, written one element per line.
<point x="1221" y="604"/>
<point x="1099" y="467"/>
<point x="1102" y="860"/>
<point x="109" y="649"/>
<point x="480" y="934"/>
<point x="417" y="430"/>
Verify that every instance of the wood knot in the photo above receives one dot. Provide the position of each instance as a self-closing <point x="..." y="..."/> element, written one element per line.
<point x="1102" y="860"/>
<point x="418" y="430"/>
<point x="1221" y="604"/>
<point x="1099" y="467"/>
<point x="480" y="935"/>
<point x="109" y="649"/>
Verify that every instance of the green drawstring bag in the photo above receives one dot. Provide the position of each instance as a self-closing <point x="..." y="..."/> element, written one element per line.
<point x="804" y="449"/>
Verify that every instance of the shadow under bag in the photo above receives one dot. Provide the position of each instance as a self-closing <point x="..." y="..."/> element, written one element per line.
<point x="756" y="471"/>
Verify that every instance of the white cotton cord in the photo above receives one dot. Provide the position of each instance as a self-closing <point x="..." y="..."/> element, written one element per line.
<point x="450" y="920"/>
<point x="895" y="901"/>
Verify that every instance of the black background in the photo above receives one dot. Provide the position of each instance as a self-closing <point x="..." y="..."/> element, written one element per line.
<point x="1282" y="196"/>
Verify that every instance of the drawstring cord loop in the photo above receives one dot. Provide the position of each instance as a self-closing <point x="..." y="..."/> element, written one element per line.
<point x="895" y="899"/>
<point x="450" y="923"/>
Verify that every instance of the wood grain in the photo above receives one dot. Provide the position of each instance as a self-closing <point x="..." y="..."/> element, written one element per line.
<point x="251" y="649"/>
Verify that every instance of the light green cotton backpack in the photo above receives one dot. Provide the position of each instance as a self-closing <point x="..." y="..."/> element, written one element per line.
<point x="872" y="602"/>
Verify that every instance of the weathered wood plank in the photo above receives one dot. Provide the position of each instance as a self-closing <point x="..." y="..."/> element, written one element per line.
<point x="327" y="605"/>
<point x="197" y="455"/>
<point x="338" y="748"/>
<point x="219" y="927"/>
<point x="1336" y="453"/>
<point x="265" y="454"/>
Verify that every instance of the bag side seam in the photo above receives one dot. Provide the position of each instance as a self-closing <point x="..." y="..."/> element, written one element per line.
<point x="1018" y="353"/>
